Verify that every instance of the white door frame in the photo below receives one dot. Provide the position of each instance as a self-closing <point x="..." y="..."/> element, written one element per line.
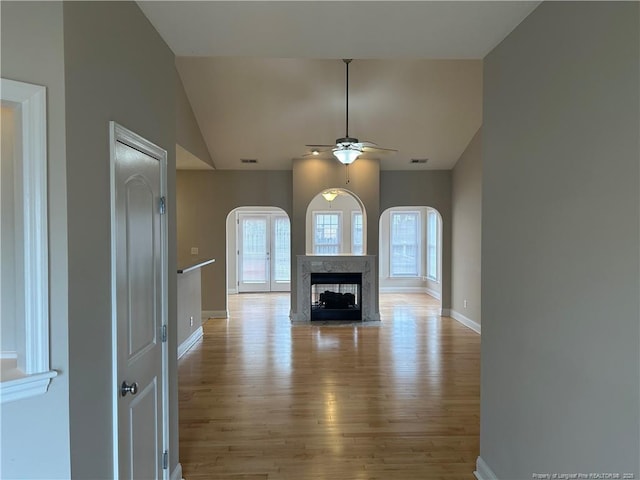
<point x="119" y="134"/>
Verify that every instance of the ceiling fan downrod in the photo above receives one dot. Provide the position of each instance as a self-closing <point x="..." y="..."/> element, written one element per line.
<point x="347" y="61"/>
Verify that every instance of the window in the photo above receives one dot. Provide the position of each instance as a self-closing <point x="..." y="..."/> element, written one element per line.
<point x="405" y="243"/>
<point x="24" y="285"/>
<point x="356" y="234"/>
<point x="326" y="233"/>
<point x="432" y="245"/>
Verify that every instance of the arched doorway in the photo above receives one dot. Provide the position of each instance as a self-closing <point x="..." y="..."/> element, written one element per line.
<point x="336" y="224"/>
<point x="411" y="251"/>
<point x="258" y="250"/>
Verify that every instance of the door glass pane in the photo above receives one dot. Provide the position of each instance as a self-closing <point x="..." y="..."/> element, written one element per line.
<point x="282" y="258"/>
<point x="254" y="250"/>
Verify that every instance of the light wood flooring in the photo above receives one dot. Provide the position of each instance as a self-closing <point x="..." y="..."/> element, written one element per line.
<point x="262" y="399"/>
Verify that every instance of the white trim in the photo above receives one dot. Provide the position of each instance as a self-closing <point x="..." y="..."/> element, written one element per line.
<point x="403" y="290"/>
<point x="434" y="293"/>
<point x="467" y="322"/>
<point x="118" y="133"/>
<point x="206" y="314"/>
<point x="190" y="341"/>
<point x="177" y="473"/>
<point x="483" y="472"/>
<point x="232" y="291"/>
<point x="31" y="188"/>
<point x="25" y="387"/>
<point x="8" y="355"/>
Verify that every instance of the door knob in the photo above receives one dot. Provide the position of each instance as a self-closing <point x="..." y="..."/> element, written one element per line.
<point x="132" y="389"/>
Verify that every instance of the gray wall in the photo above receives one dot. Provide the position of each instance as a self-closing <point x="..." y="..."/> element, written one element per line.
<point x="117" y="68"/>
<point x="8" y="301"/>
<point x="430" y="188"/>
<point x="188" y="134"/>
<point x="466" y="208"/>
<point x="205" y="198"/>
<point x="560" y="236"/>
<point x="37" y="428"/>
<point x="189" y="304"/>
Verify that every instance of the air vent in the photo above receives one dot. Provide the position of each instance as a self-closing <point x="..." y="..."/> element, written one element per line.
<point x="419" y="160"/>
<point x="248" y="160"/>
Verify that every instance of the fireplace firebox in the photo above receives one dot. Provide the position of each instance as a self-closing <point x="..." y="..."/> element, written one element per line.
<point x="336" y="296"/>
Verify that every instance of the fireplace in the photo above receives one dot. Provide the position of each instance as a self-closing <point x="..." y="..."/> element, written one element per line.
<point x="336" y="296"/>
<point x="365" y="294"/>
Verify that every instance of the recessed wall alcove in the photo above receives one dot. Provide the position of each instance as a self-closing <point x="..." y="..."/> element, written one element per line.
<point x="312" y="176"/>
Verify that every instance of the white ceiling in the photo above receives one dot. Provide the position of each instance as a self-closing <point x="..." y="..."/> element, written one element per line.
<point x="265" y="78"/>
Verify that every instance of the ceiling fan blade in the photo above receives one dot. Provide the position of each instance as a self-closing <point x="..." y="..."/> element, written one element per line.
<point x="322" y="146"/>
<point x="378" y="149"/>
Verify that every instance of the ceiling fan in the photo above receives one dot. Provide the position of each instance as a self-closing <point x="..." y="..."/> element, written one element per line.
<point x="347" y="149"/>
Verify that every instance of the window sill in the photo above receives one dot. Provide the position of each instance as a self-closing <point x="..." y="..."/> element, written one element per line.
<point x="16" y="385"/>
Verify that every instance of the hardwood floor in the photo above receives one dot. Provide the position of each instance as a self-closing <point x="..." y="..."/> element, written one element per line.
<point x="261" y="399"/>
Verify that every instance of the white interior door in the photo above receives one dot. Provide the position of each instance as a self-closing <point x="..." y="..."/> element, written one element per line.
<point x="263" y="252"/>
<point x="139" y="285"/>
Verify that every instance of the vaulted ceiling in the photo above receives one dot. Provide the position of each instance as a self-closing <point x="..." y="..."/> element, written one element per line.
<point x="266" y="78"/>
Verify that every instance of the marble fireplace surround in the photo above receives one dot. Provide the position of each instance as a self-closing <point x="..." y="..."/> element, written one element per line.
<point x="364" y="264"/>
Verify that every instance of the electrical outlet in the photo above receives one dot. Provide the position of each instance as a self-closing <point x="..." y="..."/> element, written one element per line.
<point x="191" y="321"/>
<point x="465" y="304"/>
<point x="194" y="250"/>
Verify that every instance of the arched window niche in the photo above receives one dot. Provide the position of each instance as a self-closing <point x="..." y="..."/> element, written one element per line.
<point x="336" y="224"/>
<point x="24" y="283"/>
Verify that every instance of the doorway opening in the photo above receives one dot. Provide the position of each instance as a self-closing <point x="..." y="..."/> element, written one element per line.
<point x="258" y="250"/>
<point x="411" y="251"/>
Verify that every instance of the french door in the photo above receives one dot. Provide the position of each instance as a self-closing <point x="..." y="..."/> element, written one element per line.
<point x="264" y="241"/>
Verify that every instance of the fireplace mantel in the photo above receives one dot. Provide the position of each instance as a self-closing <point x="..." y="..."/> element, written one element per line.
<point x="364" y="264"/>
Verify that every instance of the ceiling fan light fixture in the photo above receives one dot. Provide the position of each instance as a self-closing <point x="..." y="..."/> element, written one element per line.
<point x="346" y="156"/>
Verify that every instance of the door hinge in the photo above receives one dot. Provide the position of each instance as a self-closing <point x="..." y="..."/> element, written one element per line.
<point x="165" y="460"/>
<point x="163" y="205"/>
<point x="164" y="333"/>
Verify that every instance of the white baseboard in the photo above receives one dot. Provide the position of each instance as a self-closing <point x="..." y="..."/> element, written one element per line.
<point x="177" y="473"/>
<point x="434" y="293"/>
<point x="403" y="290"/>
<point x="445" y="312"/>
<point x="232" y="291"/>
<point x="189" y="342"/>
<point x="215" y="314"/>
<point x="483" y="472"/>
<point x="467" y="322"/>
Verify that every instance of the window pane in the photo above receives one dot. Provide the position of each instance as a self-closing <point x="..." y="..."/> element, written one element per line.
<point x="327" y="233"/>
<point x="356" y="234"/>
<point x="405" y="230"/>
<point x="432" y="245"/>
<point x="254" y="250"/>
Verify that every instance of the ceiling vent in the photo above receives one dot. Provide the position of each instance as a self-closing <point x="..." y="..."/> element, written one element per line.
<point x="419" y="160"/>
<point x="248" y="160"/>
